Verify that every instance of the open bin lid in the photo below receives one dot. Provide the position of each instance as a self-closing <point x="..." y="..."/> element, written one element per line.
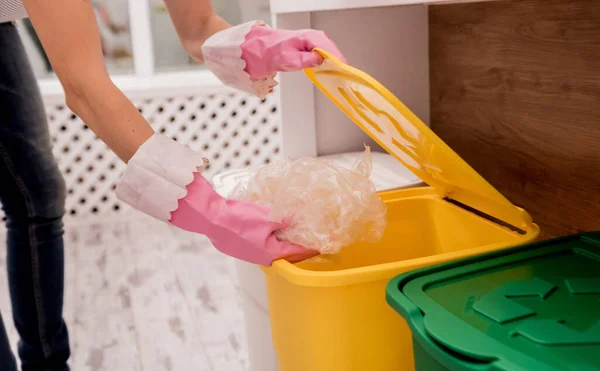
<point x="402" y="134"/>
<point x="536" y="307"/>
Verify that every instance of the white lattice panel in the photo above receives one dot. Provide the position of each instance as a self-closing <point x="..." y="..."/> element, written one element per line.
<point x="233" y="130"/>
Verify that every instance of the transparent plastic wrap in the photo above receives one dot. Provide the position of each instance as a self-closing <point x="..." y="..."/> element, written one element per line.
<point x="326" y="207"/>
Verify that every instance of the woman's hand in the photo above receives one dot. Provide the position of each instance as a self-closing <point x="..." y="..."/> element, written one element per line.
<point x="163" y="180"/>
<point x="249" y="56"/>
<point x="268" y="50"/>
<point x="236" y="228"/>
<point x="246" y="56"/>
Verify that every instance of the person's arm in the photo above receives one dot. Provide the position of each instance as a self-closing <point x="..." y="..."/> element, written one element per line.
<point x="195" y="21"/>
<point x="263" y="51"/>
<point x="69" y="34"/>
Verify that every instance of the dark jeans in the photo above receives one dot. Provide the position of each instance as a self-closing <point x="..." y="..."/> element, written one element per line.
<point x="32" y="193"/>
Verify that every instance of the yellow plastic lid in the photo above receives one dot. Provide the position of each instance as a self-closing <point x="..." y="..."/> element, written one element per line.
<point x="402" y="134"/>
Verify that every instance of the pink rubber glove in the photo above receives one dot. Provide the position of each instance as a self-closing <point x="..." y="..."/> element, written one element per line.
<point x="163" y="180"/>
<point x="268" y="51"/>
<point x="236" y="228"/>
<point x="248" y="56"/>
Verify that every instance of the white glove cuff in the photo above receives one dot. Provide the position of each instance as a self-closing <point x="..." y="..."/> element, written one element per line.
<point x="222" y="53"/>
<point x="156" y="176"/>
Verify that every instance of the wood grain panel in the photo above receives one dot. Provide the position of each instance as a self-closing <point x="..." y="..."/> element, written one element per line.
<point x="515" y="90"/>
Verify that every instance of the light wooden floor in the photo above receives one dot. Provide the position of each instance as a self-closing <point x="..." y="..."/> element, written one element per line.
<point x="143" y="296"/>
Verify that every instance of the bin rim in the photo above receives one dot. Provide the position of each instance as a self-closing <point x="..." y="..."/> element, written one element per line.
<point x="361" y="275"/>
<point x="353" y="276"/>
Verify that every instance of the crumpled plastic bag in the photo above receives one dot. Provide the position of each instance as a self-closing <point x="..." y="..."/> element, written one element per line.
<point x="326" y="207"/>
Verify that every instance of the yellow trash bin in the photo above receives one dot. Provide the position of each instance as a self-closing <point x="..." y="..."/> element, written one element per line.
<point x="330" y="313"/>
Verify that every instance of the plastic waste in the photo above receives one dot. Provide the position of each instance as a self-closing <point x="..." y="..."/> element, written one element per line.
<point x="326" y="207"/>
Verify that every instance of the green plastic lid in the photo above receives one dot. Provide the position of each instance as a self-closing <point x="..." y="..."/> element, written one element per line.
<point x="535" y="307"/>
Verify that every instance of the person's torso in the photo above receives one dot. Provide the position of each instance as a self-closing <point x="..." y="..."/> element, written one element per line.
<point x="11" y="10"/>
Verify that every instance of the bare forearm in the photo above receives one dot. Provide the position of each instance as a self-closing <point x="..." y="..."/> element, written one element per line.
<point x="114" y="119"/>
<point x="195" y="21"/>
<point x="69" y="33"/>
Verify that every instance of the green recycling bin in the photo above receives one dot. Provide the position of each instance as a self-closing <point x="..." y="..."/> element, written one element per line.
<point x="531" y="308"/>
